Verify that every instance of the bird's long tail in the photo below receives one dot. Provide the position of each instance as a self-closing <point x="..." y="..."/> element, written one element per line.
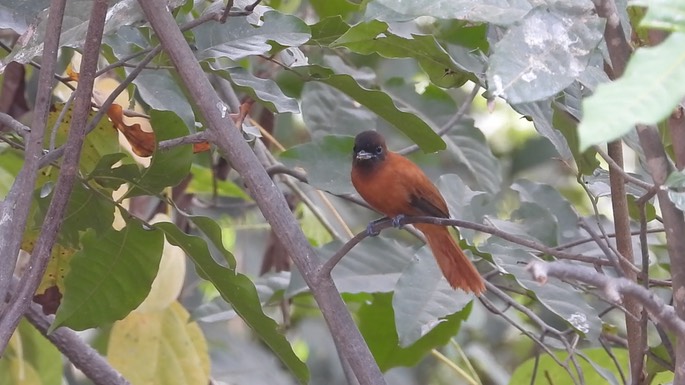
<point x="455" y="265"/>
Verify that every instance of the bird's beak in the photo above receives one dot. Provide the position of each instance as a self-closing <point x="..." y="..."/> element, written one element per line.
<point x="363" y="155"/>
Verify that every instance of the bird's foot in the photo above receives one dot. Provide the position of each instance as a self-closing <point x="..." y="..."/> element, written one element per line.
<point x="371" y="227"/>
<point x="397" y="221"/>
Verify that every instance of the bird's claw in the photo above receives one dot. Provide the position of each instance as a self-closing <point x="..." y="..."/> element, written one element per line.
<point x="371" y="229"/>
<point x="397" y="221"/>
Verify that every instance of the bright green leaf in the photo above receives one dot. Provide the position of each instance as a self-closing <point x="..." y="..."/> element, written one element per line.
<point x="110" y="276"/>
<point x="377" y="326"/>
<point x="440" y="67"/>
<point x="423" y="297"/>
<point x="663" y="14"/>
<point x="652" y="85"/>
<point x="239" y="39"/>
<point x="168" y="167"/>
<point x="544" y="53"/>
<point x="500" y="12"/>
<point x="238" y="290"/>
<point x="379" y="102"/>
<point x="327" y="162"/>
<point x="549" y="371"/>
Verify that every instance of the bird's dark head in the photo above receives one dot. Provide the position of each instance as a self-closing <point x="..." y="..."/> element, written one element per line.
<point x="369" y="149"/>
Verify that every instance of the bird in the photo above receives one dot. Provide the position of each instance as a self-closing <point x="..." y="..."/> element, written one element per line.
<point x="395" y="186"/>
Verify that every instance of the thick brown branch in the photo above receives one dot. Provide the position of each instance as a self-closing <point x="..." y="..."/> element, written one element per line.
<point x="41" y="253"/>
<point x="270" y="200"/>
<point x="14" y="210"/>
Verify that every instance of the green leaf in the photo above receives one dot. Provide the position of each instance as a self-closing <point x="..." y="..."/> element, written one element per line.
<point x="586" y="161"/>
<point x="544" y="53"/>
<point x="380" y="103"/>
<point x="110" y="276"/>
<point x="663" y="14"/>
<point x="549" y="372"/>
<point x="372" y="266"/>
<point x="328" y="30"/>
<point x="652" y="85"/>
<point x="327" y="162"/>
<point x="113" y="178"/>
<point x="377" y="326"/>
<point x="101" y="141"/>
<point x="41" y="354"/>
<point x="203" y="180"/>
<point x="542" y="115"/>
<point x="557" y="296"/>
<point x="441" y="68"/>
<point x="328" y="8"/>
<point x="501" y="12"/>
<point x="549" y="198"/>
<point x="86" y="209"/>
<point x="160" y="90"/>
<point x="168" y="167"/>
<point x="238" y="39"/>
<point x="423" y="297"/>
<point x="74" y="26"/>
<point x="237" y="289"/>
<point x="264" y="90"/>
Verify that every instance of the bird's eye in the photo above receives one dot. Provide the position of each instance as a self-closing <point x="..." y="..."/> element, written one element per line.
<point x="379" y="150"/>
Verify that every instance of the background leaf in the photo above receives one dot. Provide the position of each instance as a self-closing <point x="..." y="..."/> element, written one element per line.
<point x="110" y="276"/>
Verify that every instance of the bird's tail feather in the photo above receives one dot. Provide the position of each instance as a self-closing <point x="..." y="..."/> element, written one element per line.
<point x="455" y="265"/>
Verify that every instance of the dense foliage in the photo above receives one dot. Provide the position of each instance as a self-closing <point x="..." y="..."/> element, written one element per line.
<point x="507" y="105"/>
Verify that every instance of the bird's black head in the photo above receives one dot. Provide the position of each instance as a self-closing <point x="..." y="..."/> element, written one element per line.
<point x="369" y="149"/>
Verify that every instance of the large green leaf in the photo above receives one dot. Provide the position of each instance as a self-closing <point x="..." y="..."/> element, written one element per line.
<point x="86" y="210"/>
<point x="168" y="167"/>
<point x="544" y="53"/>
<point x="380" y="103"/>
<point x="549" y="371"/>
<point x="557" y="296"/>
<point x="372" y="266"/>
<point x="41" y="354"/>
<point x="264" y="90"/>
<point x="74" y="26"/>
<point x="161" y="91"/>
<point x="327" y="161"/>
<point x="238" y="39"/>
<point x="328" y="30"/>
<point x="663" y="14"/>
<point x="652" y="85"/>
<point x="237" y="289"/>
<point x="422" y="298"/>
<point x="374" y="38"/>
<point x="542" y="114"/>
<point x="549" y="198"/>
<point x="377" y="326"/>
<point x="490" y="11"/>
<point x="110" y="276"/>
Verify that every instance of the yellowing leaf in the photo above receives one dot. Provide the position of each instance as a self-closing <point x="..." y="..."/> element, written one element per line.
<point x="53" y="279"/>
<point x="169" y="281"/>
<point x="159" y="348"/>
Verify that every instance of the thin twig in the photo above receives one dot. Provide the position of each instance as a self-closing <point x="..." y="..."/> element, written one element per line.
<point x="614" y="289"/>
<point x="15" y="125"/>
<point x="449" y="125"/>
